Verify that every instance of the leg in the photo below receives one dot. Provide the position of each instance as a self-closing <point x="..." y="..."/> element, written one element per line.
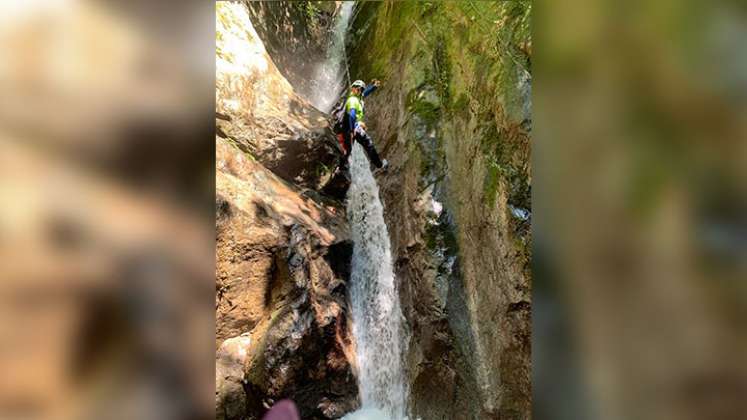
<point x="347" y="143"/>
<point x="343" y="143"/>
<point x="367" y="142"/>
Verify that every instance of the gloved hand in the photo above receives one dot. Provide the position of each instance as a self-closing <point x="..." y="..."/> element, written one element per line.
<point x="376" y="82"/>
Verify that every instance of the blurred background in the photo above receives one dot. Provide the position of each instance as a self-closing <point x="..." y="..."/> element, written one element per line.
<point x="640" y="210"/>
<point x="107" y="225"/>
<point x="106" y="210"/>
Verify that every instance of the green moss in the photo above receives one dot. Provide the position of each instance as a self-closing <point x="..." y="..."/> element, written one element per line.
<point x="458" y="52"/>
<point x="505" y="157"/>
<point x="364" y="38"/>
<point x="401" y="27"/>
<point x="309" y="10"/>
<point x="322" y="170"/>
<point x="461" y="105"/>
<point x="429" y="112"/>
<point x="492" y="180"/>
<point x="442" y="70"/>
<point x="243" y="147"/>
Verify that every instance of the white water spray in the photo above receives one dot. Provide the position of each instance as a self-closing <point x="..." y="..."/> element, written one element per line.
<point x="329" y="75"/>
<point x="376" y="313"/>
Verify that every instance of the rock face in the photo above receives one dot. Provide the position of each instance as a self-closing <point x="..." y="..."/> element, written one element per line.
<point x="295" y="35"/>
<point x="283" y="254"/>
<point x="282" y="263"/>
<point x="231" y="401"/>
<point x="259" y="111"/>
<point x="453" y="120"/>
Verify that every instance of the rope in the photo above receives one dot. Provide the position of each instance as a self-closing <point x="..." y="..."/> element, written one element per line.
<point x="345" y="56"/>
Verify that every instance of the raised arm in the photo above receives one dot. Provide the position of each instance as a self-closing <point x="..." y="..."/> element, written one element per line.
<point x="375" y="83"/>
<point x="369" y="90"/>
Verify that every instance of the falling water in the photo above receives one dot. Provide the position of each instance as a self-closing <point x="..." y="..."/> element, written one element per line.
<point x="376" y="314"/>
<point x="377" y="317"/>
<point x="329" y="75"/>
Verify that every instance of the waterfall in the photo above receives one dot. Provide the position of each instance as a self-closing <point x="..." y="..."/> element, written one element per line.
<point x="329" y="75"/>
<point x="376" y="313"/>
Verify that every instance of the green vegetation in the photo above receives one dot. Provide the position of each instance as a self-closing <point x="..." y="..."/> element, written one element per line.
<point x="442" y="70"/>
<point x="491" y="181"/>
<point x="310" y="11"/>
<point x="417" y="103"/>
<point x="461" y="64"/>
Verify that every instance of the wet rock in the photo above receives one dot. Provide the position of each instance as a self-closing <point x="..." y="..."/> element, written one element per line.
<point x="337" y="409"/>
<point x="455" y="126"/>
<point x="338" y="184"/>
<point x="259" y="110"/>
<point x="295" y="35"/>
<point x="339" y="257"/>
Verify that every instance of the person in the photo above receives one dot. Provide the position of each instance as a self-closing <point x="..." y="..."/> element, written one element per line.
<point x="354" y="127"/>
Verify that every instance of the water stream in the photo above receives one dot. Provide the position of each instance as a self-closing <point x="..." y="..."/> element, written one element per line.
<point x="376" y="313"/>
<point x="374" y="300"/>
<point x="329" y="76"/>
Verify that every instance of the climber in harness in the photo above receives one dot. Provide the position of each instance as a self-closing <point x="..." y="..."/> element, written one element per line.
<point x="349" y="125"/>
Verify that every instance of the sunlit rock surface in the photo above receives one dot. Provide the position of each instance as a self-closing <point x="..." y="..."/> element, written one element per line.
<point x="259" y="111"/>
<point x="283" y="252"/>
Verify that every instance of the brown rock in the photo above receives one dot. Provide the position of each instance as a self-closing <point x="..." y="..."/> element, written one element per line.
<point x="282" y="248"/>
<point x="283" y="260"/>
<point x="259" y="110"/>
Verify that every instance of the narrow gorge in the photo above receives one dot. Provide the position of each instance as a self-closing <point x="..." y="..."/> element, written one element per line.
<point x="399" y="294"/>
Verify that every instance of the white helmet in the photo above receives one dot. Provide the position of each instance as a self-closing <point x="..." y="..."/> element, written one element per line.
<point x="359" y="83"/>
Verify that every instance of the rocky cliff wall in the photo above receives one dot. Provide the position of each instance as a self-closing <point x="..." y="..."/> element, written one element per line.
<point x="453" y="119"/>
<point x="282" y="248"/>
<point x="295" y="34"/>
